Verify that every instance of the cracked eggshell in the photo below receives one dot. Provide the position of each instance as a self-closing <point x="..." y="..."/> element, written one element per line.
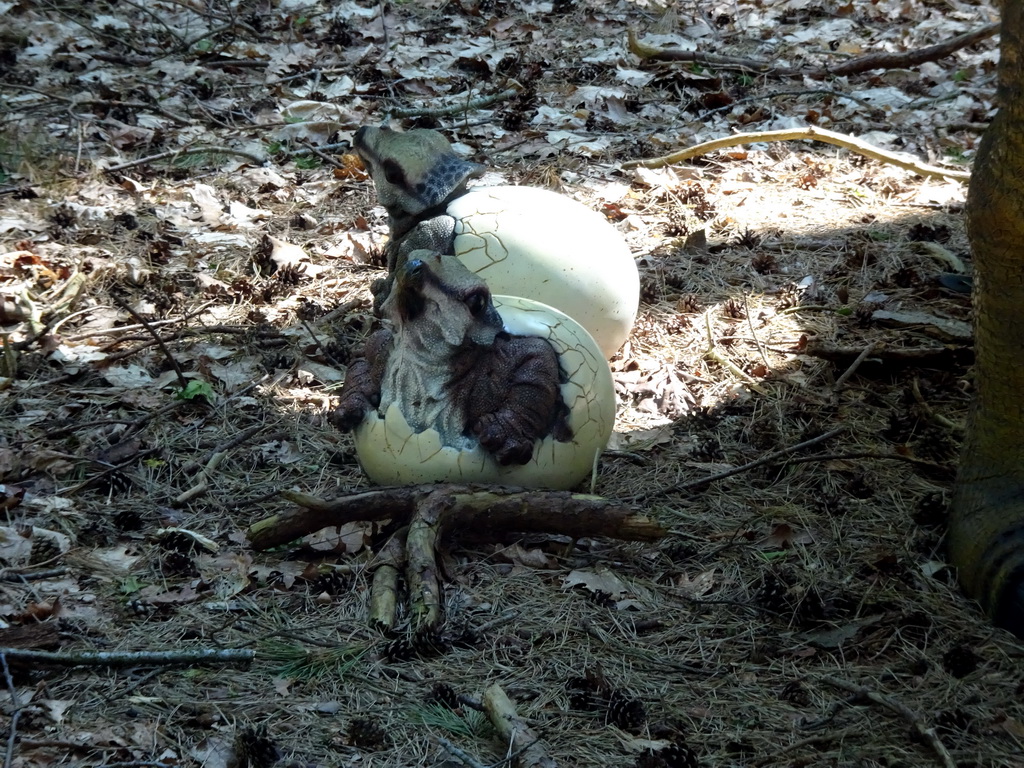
<point x="535" y="243"/>
<point x="392" y="454"/>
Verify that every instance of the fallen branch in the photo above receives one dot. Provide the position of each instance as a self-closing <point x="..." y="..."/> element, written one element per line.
<point x="712" y="353"/>
<point x="477" y="510"/>
<point x="766" y="459"/>
<point x="910" y="58"/>
<point x="109" y="469"/>
<point x="525" y="746"/>
<point x="914" y="719"/>
<point x="460" y="754"/>
<point x="421" y="571"/>
<point x="231" y="443"/>
<point x="853" y="66"/>
<point x="938" y="418"/>
<point x="940" y="356"/>
<point x="864" y="353"/>
<point x="311" y="150"/>
<point x="384" y="588"/>
<point x="125" y="328"/>
<point x="130" y="658"/>
<point x="271" y="338"/>
<point x="794" y="134"/>
<point x="431" y="514"/>
<point x="939" y="469"/>
<point x="781" y="753"/>
<point x="17" y="707"/>
<point x="211" y="461"/>
<point x="944" y="329"/>
<point x="17" y="574"/>
<point x="762" y="97"/>
<point x="141" y="105"/>
<point x="710" y="60"/>
<point x="15" y="188"/>
<point x="457" y="109"/>
<point x="175" y="153"/>
<point x="182" y="381"/>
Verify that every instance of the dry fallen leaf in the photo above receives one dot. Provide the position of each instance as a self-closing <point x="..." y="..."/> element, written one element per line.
<point x="531" y="558"/>
<point x="784" y="536"/>
<point x="601" y="581"/>
<point x="11" y="496"/>
<point x="697" y="585"/>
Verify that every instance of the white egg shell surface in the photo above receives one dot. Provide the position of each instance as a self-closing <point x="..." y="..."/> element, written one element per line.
<point x="531" y="242"/>
<point x="392" y="454"/>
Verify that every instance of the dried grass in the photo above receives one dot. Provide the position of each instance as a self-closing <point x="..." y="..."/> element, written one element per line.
<point x="706" y="648"/>
<point x="771" y="583"/>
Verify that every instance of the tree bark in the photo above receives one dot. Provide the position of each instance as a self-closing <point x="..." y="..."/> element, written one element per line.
<point x="431" y="514"/>
<point x="986" y="534"/>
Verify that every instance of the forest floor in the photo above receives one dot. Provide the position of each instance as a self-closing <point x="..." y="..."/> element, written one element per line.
<point x="188" y="161"/>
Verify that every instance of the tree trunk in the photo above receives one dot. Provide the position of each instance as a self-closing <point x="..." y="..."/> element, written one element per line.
<point x="986" y="533"/>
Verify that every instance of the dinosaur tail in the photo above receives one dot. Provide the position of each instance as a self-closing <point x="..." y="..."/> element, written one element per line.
<point x="986" y="543"/>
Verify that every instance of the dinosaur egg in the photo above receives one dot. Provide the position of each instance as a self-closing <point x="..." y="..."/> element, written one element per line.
<point x="392" y="454"/>
<point x="547" y="247"/>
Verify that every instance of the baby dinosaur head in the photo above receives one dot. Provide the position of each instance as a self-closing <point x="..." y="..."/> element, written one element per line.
<point x="416" y="173"/>
<point x="438" y="305"/>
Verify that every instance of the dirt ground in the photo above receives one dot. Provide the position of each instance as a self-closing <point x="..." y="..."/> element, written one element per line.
<point x="798" y="612"/>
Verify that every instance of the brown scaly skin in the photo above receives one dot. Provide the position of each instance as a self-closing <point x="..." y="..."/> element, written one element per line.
<point x="986" y="531"/>
<point x="450" y="366"/>
<point x="361" y="392"/>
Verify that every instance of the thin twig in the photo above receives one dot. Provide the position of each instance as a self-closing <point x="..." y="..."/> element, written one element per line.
<point x="109" y="469"/>
<point x="630" y="650"/>
<point x="156" y="337"/>
<point x="940" y="468"/>
<point x="135" y="105"/>
<point x="866" y="63"/>
<point x="139" y="326"/>
<point x="14" y="574"/>
<point x="20" y="346"/>
<point x="779" y="754"/>
<point x="265" y="336"/>
<point x="212" y="33"/>
<point x="158" y="18"/>
<point x="117" y="37"/>
<point x="457" y="109"/>
<point x="131" y="658"/>
<point x="233" y="442"/>
<point x="915" y="720"/>
<point x="310" y="149"/>
<point x="853" y="367"/>
<point x="339" y="311"/>
<point x="460" y="754"/>
<point x="134" y="425"/>
<point x="914" y="57"/>
<point x="938" y="418"/>
<point x="505" y="618"/>
<point x="341" y="146"/>
<point x="766" y="459"/>
<point x="795" y="92"/>
<point x="16" y="707"/>
<point x="213" y="150"/>
<point x="711" y="353"/>
<point x="795" y="134"/>
<point x="753" y="333"/>
<point x="319" y="344"/>
<point x="213" y="460"/>
<point x="711" y="60"/>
